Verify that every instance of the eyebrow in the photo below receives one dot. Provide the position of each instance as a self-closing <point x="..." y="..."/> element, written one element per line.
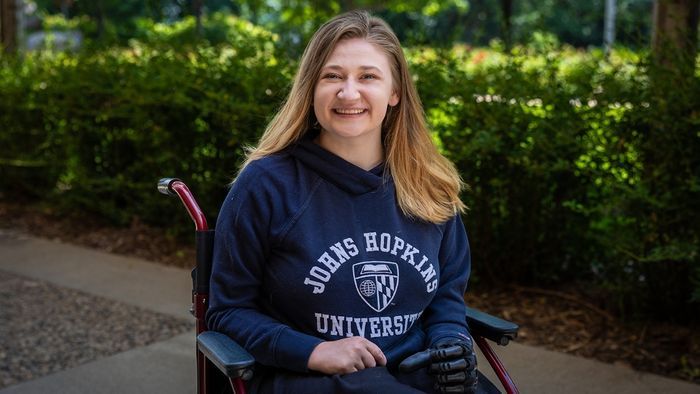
<point x="338" y="67"/>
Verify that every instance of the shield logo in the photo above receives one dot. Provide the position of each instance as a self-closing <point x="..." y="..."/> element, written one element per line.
<point x="376" y="282"/>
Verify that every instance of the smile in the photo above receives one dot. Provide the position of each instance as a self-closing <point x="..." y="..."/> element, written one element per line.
<point x="349" y="111"/>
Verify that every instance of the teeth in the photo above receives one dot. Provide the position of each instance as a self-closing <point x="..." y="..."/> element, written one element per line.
<point x="349" y="111"/>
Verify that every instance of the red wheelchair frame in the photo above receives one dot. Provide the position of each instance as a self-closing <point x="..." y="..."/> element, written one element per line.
<point x="220" y="359"/>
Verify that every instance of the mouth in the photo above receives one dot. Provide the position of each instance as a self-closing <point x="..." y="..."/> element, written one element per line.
<point x="349" y="111"/>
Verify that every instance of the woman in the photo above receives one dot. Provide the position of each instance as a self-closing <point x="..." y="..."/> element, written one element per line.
<point x="339" y="250"/>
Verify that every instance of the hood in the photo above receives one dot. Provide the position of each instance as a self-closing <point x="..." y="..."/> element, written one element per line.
<point x="336" y="170"/>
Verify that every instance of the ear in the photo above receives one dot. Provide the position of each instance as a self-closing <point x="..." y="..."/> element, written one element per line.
<point x="394" y="99"/>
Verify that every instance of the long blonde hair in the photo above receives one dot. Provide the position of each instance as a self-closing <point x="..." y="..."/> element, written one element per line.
<point x="427" y="184"/>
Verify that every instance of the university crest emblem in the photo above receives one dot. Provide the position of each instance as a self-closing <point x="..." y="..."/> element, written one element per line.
<point x="376" y="282"/>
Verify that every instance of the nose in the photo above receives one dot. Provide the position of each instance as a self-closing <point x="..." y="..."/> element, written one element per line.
<point x="348" y="91"/>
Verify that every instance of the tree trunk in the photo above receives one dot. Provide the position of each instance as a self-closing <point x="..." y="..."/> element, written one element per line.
<point x="65" y="8"/>
<point x="197" y="10"/>
<point x="668" y="147"/>
<point x="674" y="40"/>
<point x="609" y="29"/>
<point x="8" y="25"/>
<point x="507" y="14"/>
<point x="100" y="17"/>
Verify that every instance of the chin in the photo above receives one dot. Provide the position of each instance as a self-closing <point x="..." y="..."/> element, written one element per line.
<point x="350" y="133"/>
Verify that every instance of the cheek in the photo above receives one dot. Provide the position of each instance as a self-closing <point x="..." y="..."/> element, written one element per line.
<point x="381" y="113"/>
<point x="383" y="97"/>
<point x="318" y="104"/>
<point x="322" y="96"/>
<point x="319" y="114"/>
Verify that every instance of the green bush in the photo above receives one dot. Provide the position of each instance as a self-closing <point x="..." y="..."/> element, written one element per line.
<point x="32" y="154"/>
<point x="217" y="29"/>
<point x="582" y="170"/>
<point x="108" y="124"/>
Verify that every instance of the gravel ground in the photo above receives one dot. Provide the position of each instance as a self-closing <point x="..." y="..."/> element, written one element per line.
<point x="45" y="328"/>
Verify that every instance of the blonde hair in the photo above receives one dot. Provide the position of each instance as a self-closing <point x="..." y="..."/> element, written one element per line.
<point x="427" y="184"/>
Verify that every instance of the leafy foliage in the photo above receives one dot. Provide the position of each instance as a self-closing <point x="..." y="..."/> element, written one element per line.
<point x="583" y="169"/>
<point x="436" y="23"/>
<point x="98" y="128"/>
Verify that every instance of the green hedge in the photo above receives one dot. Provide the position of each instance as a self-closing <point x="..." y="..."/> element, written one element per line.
<point x="97" y="129"/>
<point x="583" y="171"/>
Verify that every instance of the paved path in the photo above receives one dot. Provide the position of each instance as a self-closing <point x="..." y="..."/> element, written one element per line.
<point x="169" y="367"/>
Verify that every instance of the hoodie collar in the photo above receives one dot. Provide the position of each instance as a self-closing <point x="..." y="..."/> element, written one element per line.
<point x="334" y="169"/>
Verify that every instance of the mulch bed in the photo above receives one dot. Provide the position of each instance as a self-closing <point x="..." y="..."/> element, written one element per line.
<point x="557" y="320"/>
<point x="561" y="322"/>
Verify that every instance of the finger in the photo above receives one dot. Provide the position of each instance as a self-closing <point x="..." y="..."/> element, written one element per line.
<point x="452" y="389"/>
<point x="359" y="365"/>
<point x="459" y="377"/>
<point x="449" y="366"/>
<point x="377" y="354"/>
<point x="471" y="360"/>
<point x="344" y="370"/>
<point x="367" y="359"/>
<point x="415" y="362"/>
<point x="448" y="353"/>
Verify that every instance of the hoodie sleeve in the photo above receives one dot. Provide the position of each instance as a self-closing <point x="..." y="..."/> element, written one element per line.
<point x="242" y="244"/>
<point x="445" y="317"/>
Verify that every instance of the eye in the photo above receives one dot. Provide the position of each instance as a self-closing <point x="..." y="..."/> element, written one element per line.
<point x="331" y="76"/>
<point x="369" y="76"/>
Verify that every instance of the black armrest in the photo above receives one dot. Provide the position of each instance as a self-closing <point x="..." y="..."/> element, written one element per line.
<point x="491" y="327"/>
<point x="227" y="355"/>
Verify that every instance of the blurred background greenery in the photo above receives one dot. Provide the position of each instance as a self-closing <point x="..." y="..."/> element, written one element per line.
<point x="583" y="159"/>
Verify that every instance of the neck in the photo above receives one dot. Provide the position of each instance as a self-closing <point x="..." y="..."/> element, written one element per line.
<point x="365" y="153"/>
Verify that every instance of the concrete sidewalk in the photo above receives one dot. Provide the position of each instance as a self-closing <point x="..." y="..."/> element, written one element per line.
<point x="169" y="367"/>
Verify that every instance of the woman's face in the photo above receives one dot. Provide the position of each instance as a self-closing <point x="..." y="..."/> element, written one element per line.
<point x="353" y="92"/>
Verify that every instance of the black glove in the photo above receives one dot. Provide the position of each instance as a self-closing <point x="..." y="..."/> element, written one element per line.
<point x="452" y="361"/>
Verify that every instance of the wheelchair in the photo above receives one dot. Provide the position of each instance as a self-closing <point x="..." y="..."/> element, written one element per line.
<point x="222" y="362"/>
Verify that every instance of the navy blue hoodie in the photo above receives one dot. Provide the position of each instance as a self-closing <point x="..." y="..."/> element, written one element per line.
<point x="311" y="248"/>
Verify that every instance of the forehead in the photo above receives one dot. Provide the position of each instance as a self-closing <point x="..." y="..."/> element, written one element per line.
<point x="358" y="53"/>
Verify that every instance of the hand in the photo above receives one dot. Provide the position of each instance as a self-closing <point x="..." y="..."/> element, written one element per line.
<point x="345" y="356"/>
<point x="452" y="361"/>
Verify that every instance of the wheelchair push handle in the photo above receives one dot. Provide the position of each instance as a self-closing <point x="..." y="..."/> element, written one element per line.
<point x="176" y="187"/>
<point x="164" y="186"/>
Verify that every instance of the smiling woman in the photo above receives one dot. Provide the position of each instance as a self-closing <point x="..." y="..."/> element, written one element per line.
<point x="351" y="100"/>
<point x="339" y="250"/>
